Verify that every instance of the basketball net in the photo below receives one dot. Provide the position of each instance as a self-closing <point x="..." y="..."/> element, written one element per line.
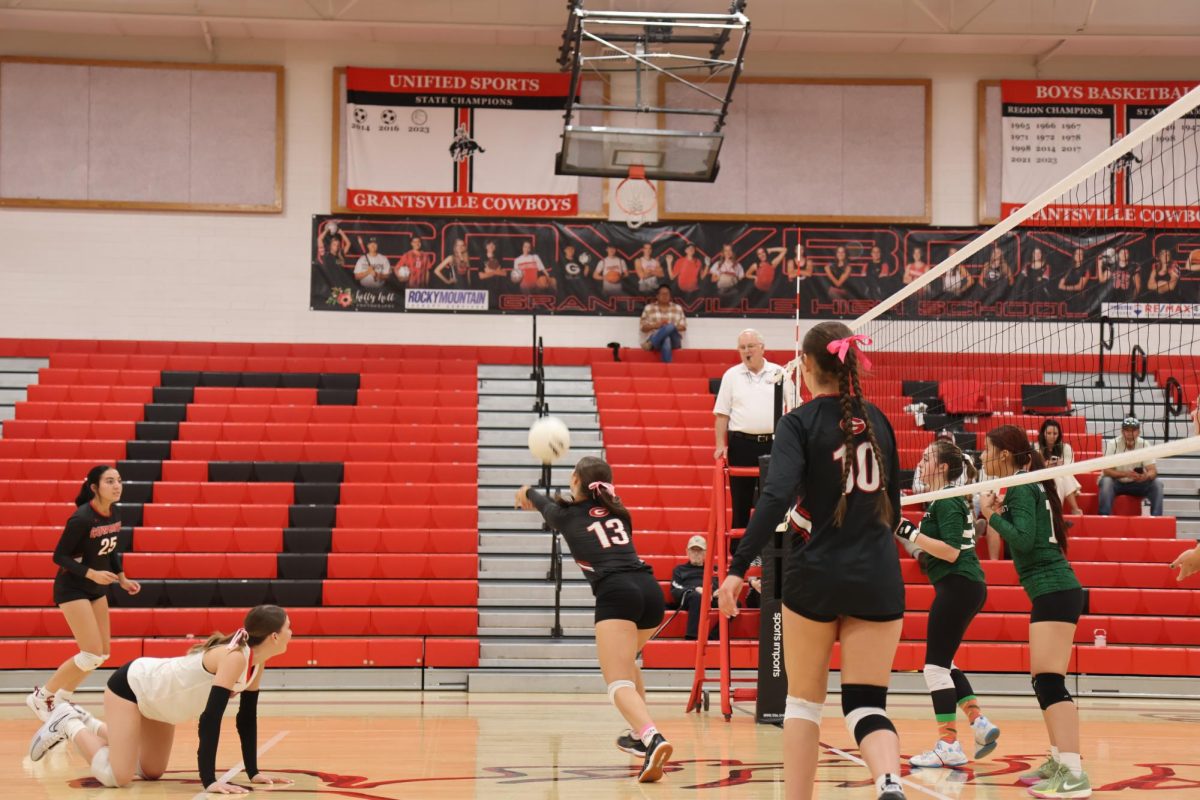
<point x="634" y="200"/>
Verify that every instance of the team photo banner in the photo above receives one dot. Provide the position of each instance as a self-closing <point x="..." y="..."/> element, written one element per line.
<point x="741" y="269"/>
<point x="456" y="143"/>
<point x="1050" y="128"/>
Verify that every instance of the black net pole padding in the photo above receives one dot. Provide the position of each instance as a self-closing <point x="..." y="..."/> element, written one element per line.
<point x="557" y="631"/>
<point x="1105" y="344"/>
<point x="1173" y="405"/>
<point x="1138" y="363"/>
<point x="772" y="675"/>
<point x="778" y="402"/>
<point x="533" y="365"/>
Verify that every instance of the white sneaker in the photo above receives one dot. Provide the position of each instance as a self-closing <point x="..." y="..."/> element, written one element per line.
<point x="986" y="735"/>
<point x="943" y="754"/>
<point x="40" y="703"/>
<point x="53" y="730"/>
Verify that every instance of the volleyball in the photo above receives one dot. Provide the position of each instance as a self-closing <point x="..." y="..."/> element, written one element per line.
<point x="402" y="273"/>
<point x="516" y="275"/>
<point x="549" y="439"/>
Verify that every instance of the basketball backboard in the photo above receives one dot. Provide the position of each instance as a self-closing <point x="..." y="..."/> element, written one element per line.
<point x="665" y="155"/>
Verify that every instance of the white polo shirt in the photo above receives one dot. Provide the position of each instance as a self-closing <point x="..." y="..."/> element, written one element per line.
<point x="748" y="398"/>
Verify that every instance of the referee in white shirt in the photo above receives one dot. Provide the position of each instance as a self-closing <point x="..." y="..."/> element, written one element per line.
<point x="745" y="418"/>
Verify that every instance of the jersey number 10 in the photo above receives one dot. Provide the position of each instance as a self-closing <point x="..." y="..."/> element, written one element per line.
<point x="864" y="474"/>
<point x="615" y="533"/>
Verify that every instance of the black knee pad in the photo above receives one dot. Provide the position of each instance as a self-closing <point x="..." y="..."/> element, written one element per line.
<point x="1050" y="688"/>
<point x="865" y="709"/>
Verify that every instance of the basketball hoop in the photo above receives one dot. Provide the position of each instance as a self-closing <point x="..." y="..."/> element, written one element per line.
<point x="634" y="201"/>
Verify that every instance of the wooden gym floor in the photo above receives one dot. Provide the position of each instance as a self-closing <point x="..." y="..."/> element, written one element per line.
<point x="369" y="746"/>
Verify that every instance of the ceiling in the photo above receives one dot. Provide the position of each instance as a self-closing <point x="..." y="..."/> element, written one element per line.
<point x="1041" y="29"/>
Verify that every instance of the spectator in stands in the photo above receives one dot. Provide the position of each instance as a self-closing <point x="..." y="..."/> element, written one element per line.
<point x="1138" y="479"/>
<point x="663" y="325"/>
<point x="745" y="417"/>
<point x="89" y="561"/>
<point x="687" y="580"/>
<point x="1055" y="452"/>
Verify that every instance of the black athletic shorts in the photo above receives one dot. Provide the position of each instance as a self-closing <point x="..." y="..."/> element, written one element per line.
<point x="118" y="683"/>
<point x="1063" y="606"/>
<point x="68" y="587"/>
<point x="815" y="617"/>
<point x="634" y="596"/>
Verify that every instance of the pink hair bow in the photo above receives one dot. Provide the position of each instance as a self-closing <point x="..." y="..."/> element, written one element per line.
<point x="840" y="347"/>
<point x="594" y="485"/>
<point x="238" y="637"/>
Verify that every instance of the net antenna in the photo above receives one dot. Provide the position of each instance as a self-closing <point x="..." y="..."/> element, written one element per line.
<point x="655" y="67"/>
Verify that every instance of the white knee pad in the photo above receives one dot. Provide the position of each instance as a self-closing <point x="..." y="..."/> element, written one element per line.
<point x="88" y="661"/>
<point x="937" y="678"/>
<point x="616" y="686"/>
<point x="799" y="708"/>
<point x="102" y="769"/>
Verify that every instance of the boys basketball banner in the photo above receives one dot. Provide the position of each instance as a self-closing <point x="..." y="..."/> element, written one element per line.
<point x="1051" y="128"/>
<point x="734" y="269"/>
<point x="461" y="143"/>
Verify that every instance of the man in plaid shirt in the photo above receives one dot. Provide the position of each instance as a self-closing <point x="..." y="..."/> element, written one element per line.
<point x="663" y="325"/>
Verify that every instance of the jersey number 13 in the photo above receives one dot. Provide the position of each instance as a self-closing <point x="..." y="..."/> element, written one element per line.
<point x="611" y="531"/>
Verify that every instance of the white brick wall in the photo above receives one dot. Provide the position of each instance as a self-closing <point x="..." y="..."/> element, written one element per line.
<point x="79" y="274"/>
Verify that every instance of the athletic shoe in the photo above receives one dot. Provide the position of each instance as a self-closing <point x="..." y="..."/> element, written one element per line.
<point x="1044" y="772"/>
<point x="657" y="753"/>
<point x="40" y="703"/>
<point x="53" y="730"/>
<point x="629" y="743"/>
<point x="1063" y="785"/>
<point x="943" y="754"/>
<point x="986" y="735"/>
<point x="890" y="789"/>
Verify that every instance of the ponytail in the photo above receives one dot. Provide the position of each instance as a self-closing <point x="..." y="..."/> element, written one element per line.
<point x="1025" y="456"/>
<point x="260" y="622"/>
<point x="595" y="476"/>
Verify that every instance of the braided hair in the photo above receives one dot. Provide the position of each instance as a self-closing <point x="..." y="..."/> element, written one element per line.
<point x="1025" y="456"/>
<point x="816" y="348"/>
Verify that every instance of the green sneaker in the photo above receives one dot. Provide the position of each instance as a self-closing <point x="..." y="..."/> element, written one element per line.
<point x="1047" y="770"/>
<point x="1064" y="785"/>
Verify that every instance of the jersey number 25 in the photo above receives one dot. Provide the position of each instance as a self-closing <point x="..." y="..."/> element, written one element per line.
<point x="864" y="474"/>
<point x="107" y="545"/>
<point x="615" y="533"/>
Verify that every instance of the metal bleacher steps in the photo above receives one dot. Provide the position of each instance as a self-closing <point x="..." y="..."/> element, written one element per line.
<point x="516" y="597"/>
<point x="15" y="376"/>
<point x="1106" y="406"/>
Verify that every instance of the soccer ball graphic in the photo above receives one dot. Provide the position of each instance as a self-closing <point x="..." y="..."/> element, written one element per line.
<point x="360" y="115"/>
<point x="388" y="117"/>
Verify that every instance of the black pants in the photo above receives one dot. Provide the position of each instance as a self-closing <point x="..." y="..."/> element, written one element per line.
<point x="956" y="602"/>
<point x="744" y="453"/>
<point x="691" y="602"/>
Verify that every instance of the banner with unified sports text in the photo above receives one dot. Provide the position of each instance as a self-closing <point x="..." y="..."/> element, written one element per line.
<point x="1052" y="127"/>
<point x="456" y="143"/>
<point x="742" y="269"/>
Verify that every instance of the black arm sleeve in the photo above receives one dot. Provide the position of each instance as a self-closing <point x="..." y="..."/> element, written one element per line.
<point x="778" y="494"/>
<point x="115" y="562"/>
<point x="247" y="728"/>
<point x="210" y="734"/>
<point x="550" y="510"/>
<point x="68" y="543"/>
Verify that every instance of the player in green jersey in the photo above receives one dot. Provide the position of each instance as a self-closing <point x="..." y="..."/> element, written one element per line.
<point x="947" y="537"/>
<point x="1030" y="521"/>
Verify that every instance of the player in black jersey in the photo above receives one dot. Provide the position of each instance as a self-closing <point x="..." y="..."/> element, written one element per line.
<point x="629" y="602"/>
<point x="835" y="477"/>
<point x="88" y="561"/>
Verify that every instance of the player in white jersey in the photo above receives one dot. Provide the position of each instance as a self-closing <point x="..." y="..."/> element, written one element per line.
<point x="148" y="697"/>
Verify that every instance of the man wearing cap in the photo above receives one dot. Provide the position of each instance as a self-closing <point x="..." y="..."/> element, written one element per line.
<point x="372" y="269"/>
<point x="1139" y="479"/>
<point x="686" y="580"/>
